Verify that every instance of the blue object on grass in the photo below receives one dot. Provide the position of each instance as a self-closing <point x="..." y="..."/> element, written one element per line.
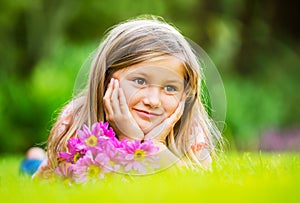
<point x="30" y="166"/>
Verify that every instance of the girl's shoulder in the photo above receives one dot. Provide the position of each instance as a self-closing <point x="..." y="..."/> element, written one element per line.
<point x="200" y="147"/>
<point x="198" y="142"/>
<point x="70" y="110"/>
<point x="67" y="116"/>
<point x="198" y="139"/>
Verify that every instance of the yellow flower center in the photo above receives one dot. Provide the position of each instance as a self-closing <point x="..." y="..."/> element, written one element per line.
<point x="92" y="141"/>
<point x="76" y="157"/>
<point x="93" y="171"/>
<point x="139" y="155"/>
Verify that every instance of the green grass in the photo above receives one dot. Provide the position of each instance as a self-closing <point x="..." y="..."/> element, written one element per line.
<point x="238" y="177"/>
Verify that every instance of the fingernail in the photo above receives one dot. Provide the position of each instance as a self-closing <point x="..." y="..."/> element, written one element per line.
<point x="111" y="80"/>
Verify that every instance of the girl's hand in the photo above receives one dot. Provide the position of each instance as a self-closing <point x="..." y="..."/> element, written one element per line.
<point x="118" y="114"/>
<point x="161" y="131"/>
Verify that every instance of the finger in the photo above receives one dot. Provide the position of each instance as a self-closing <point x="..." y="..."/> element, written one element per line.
<point x="135" y="134"/>
<point x="176" y="115"/>
<point x="161" y="131"/>
<point x="107" y="98"/>
<point x="123" y="104"/>
<point x="114" y="99"/>
<point x="158" y="132"/>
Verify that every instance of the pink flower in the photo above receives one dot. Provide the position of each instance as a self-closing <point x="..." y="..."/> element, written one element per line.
<point x="90" y="168"/>
<point x="87" y="137"/>
<point x="99" y="129"/>
<point x="99" y="134"/>
<point x="140" y="156"/>
<point x="76" y="150"/>
<point x="97" y="151"/>
<point x="107" y="131"/>
<point x="113" y="154"/>
<point x="65" y="171"/>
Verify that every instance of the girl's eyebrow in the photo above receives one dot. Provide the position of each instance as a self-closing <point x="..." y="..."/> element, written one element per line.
<point x="138" y="73"/>
<point x="166" y="80"/>
<point x="174" y="81"/>
<point x="145" y="73"/>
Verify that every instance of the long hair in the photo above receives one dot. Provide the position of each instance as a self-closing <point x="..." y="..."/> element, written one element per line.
<point x="126" y="44"/>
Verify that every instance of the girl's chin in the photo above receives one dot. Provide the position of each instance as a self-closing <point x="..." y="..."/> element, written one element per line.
<point x="147" y="125"/>
<point x="147" y="128"/>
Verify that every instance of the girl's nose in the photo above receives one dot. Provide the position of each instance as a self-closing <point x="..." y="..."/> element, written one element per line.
<point x="152" y="97"/>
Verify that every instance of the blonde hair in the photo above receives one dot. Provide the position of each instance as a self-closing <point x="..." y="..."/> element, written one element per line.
<point x="126" y="44"/>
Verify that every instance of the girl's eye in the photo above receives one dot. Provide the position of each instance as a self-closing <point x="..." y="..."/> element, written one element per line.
<point x="140" y="81"/>
<point x="170" y="89"/>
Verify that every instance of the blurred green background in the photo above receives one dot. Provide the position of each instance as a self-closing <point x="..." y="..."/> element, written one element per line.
<point x="254" y="44"/>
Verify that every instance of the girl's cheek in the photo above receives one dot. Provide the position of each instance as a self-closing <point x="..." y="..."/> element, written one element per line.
<point x="131" y="94"/>
<point x="170" y="104"/>
<point x="126" y="88"/>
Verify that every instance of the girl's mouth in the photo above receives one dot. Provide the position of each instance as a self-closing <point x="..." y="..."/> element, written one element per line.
<point x="146" y="114"/>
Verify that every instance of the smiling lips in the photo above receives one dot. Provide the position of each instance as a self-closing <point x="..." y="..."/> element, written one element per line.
<point x="147" y="114"/>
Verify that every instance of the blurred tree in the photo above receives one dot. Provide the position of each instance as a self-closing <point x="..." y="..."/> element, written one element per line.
<point x="29" y="31"/>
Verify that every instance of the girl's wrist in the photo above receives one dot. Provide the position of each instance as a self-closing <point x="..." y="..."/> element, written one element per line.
<point x="160" y="144"/>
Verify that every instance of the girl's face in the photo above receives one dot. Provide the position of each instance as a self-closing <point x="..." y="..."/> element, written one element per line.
<point x="153" y="89"/>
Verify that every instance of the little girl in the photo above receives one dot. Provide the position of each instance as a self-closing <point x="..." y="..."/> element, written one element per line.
<point x="145" y="81"/>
